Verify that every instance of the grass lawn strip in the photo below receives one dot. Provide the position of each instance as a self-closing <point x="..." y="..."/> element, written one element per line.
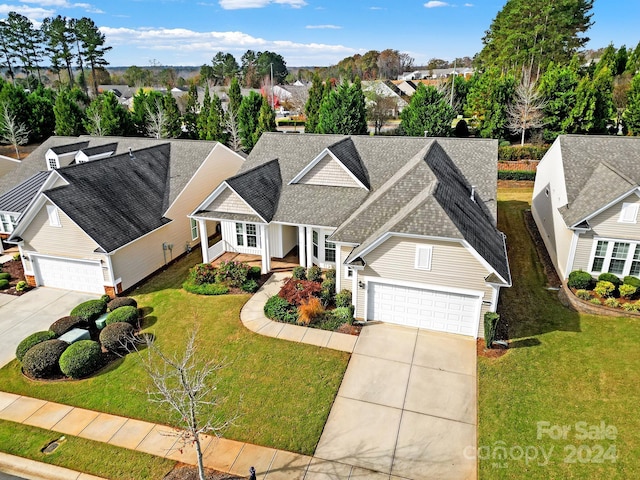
<point x="283" y="391"/>
<point x="82" y="455"/>
<point x="563" y="368"/>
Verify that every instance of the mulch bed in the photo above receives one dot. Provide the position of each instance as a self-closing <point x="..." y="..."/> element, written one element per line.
<point x="261" y="281"/>
<point x="190" y="472"/>
<point x="14" y="267"/>
<point x="483" y="351"/>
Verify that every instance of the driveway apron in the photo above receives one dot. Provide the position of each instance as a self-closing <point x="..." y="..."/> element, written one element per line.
<point x="407" y="406"/>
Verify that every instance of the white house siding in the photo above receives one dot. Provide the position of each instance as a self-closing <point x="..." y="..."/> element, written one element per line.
<point x="606" y="224"/>
<point x="452" y="265"/>
<point x="229" y="237"/>
<point x="582" y="257"/>
<point x="229" y="202"/>
<point x="549" y="194"/>
<point x="328" y="172"/>
<point x="345" y="282"/>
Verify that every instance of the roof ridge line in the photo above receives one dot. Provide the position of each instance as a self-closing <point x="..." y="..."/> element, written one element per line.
<point x="621" y="175"/>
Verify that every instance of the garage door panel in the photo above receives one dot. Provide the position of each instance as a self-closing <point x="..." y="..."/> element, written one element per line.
<point x="423" y="308"/>
<point x="69" y="274"/>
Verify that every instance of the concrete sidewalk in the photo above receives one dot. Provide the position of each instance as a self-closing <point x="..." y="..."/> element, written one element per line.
<point x="25" y="468"/>
<point x="252" y="316"/>
<point x="227" y="456"/>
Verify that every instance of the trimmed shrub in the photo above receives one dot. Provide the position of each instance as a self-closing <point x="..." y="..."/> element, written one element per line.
<point x="41" y="361"/>
<point x="105" y="298"/>
<point x="21" y="286"/>
<point x="81" y="359"/>
<point x="330" y="274"/>
<point x="205" y="288"/>
<point x="604" y="288"/>
<point x="580" y="280"/>
<point x="612" y="302"/>
<point x="595" y="301"/>
<point x="254" y="273"/>
<point x="516" y="175"/>
<point x="31" y="341"/>
<point x="343" y="298"/>
<point x="627" y="291"/>
<point x="609" y="277"/>
<point x="203" y="273"/>
<point x="232" y="273"/>
<point x="16" y="257"/>
<point x="121" y="302"/>
<point x="117" y="336"/>
<point x="249" y="286"/>
<point x="328" y="292"/>
<point x="296" y="291"/>
<point x="630" y="307"/>
<point x="277" y="308"/>
<point x="299" y="273"/>
<point x="64" y="324"/>
<point x="491" y="320"/>
<point x="309" y="310"/>
<point x="328" y="321"/>
<point x="89" y="310"/>
<point x="508" y="153"/>
<point x="4" y="284"/>
<point x="583" y="294"/>
<point x="344" y="314"/>
<point x="5" y="276"/>
<point x="126" y="314"/>
<point x="314" y="274"/>
<point x="633" y="281"/>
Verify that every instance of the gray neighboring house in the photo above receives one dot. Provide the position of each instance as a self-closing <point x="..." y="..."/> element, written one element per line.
<point x="409" y="224"/>
<point x="99" y="214"/>
<point x="585" y="203"/>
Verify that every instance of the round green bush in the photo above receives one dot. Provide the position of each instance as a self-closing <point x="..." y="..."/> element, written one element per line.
<point x="117" y="336"/>
<point x="612" y="302"/>
<point x="254" y="273"/>
<point x="580" y="280"/>
<point x="4" y="284"/>
<point x="583" y="294"/>
<point x="299" y="273"/>
<point x="314" y="274"/>
<point x="121" y="302"/>
<point x="627" y="291"/>
<point x="277" y="308"/>
<point x="41" y="361"/>
<point x="205" y="288"/>
<point x="5" y="276"/>
<point x="105" y="298"/>
<point x="81" y="359"/>
<point x="21" y="286"/>
<point x="249" y="286"/>
<point x="89" y="310"/>
<point x="609" y="277"/>
<point x="64" y="324"/>
<point x="330" y="274"/>
<point x="126" y="314"/>
<point x="604" y="288"/>
<point x="32" y="340"/>
<point x="343" y="298"/>
<point x="633" y="281"/>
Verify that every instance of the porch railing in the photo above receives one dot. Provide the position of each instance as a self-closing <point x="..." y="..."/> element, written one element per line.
<point x="216" y="250"/>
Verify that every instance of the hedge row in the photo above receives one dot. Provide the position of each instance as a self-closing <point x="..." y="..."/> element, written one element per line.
<point x="516" y="175"/>
<point x="526" y="152"/>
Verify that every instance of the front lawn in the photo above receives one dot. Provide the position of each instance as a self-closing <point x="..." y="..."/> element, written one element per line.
<point x="563" y="368"/>
<point x="282" y="391"/>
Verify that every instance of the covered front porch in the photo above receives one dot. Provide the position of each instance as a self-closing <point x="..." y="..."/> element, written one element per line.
<point x="277" y="264"/>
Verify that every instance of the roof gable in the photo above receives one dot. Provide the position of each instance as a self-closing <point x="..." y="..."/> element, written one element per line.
<point x="259" y="188"/>
<point x="18" y="198"/>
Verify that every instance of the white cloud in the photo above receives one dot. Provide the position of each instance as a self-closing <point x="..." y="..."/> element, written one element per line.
<point x="435" y="4"/>
<point x="242" y="4"/>
<point x="32" y="13"/>
<point x="376" y="8"/>
<point x="468" y="4"/>
<point x="320" y="27"/>
<point x="64" y="4"/>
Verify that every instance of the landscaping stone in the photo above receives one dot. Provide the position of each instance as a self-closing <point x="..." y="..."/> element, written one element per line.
<point x="74" y="335"/>
<point x="101" y="321"/>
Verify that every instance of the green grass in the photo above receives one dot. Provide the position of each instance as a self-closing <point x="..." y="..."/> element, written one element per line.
<point x="282" y="391"/>
<point x="81" y="455"/>
<point x="564" y="368"/>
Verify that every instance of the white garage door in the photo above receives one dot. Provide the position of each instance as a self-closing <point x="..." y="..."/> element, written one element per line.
<point x="80" y="275"/>
<point x="415" y="307"/>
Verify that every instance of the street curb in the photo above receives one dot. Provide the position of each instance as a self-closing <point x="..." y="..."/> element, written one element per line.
<point x="33" y="470"/>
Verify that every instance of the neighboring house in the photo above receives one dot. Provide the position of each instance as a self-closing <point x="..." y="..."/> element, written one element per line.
<point x="386" y="89"/>
<point x="99" y="214"/>
<point x="585" y="203"/>
<point x="437" y="73"/>
<point x="408" y="223"/>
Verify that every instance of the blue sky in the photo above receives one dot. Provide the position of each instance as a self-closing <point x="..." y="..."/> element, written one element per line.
<point x="304" y="32"/>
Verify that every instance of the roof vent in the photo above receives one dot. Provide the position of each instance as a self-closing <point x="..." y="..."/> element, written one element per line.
<point x="131" y="155"/>
<point x="473" y="193"/>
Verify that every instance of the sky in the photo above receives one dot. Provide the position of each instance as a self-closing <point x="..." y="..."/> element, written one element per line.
<point x="304" y="32"/>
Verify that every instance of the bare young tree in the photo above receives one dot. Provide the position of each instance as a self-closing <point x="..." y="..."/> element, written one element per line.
<point x="156" y="120"/>
<point x="380" y="108"/>
<point x="188" y="387"/>
<point x="11" y="131"/>
<point x="95" y="123"/>
<point x="526" y="112"/>
<point x="231" y="124"/>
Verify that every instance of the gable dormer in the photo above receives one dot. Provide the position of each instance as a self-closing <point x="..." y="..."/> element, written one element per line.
<point x="95" y="153"/>
<point x="336" y="166"/>
<point x="63" y="155"/>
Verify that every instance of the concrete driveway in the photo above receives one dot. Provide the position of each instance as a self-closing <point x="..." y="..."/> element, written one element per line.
<point x="407" y="406"/>
<point x="34" y="311"/>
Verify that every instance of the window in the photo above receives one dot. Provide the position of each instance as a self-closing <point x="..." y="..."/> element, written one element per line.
<point x="9" y="222"/>
<point x="329" y="250"/>
<point x="629" y="213"/>
<point x="618" y="258"/>
<point x="246" y="235"/>
<point x="348" y="272"/>
<point x="635" y="263"/>
<point x="423" y="257"/>
<point x="599" y="256"/>
<point x="54" y="216"/>
<point x="315" y="243"/>
<point x="194" y="229"/>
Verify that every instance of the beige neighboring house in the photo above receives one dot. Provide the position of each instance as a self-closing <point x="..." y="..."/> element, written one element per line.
<point x="99" y="214"/>
<point x="585" y="203"/>
<point x="409" y="224"/>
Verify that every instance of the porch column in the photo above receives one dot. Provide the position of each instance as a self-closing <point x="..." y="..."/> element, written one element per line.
<point x="266" y="257"/>
<point x="309" y="247"/>
<point x="204" y="240"/>
<point x="338" y="268"/>
<point x="302" y="246"/>
<point x="354" y="294"/>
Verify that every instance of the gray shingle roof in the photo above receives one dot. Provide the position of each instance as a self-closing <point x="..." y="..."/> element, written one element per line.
<point x="117" y="199"/>
<point x="597" y="171"/>
<point x="69" y="147"/>
<point x="345" y="151"/>
<point x="260" y="188"/>
<point x="18" y="198"/>
<point x="99" y="149"/>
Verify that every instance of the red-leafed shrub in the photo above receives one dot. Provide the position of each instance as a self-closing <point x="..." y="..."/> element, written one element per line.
<point x="296" y="291"/>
